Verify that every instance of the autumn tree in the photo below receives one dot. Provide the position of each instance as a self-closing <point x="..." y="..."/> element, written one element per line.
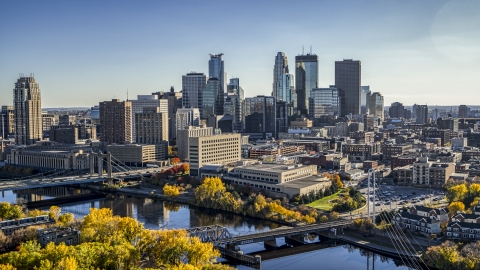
<point x="174" y="160"/>
<point x="457" y="193"/>
<point x="334" y="216"/>
<point x="8" y="211"/>
<point x="171" y="191"/>
<point x="186" y="167"/>
<point x="454" y="207"/>
<point x="54" y="212"/>
<point x="66" y="219"/>
<point x="323" y="219"/>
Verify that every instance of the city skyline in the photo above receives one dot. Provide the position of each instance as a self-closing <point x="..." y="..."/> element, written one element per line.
<point x="97" y="51"/>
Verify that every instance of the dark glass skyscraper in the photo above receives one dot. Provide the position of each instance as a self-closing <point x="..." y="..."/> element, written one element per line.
<point x="216" y="69"/>
<point x="212" y="99"/>
<point x="260" y="115"/>
<point x="306" y="78"/>
<point x="348" y="74"/>
<point x="325" y="102"/>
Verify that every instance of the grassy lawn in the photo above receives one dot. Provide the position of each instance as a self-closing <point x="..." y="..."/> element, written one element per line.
<point x="324" y="203"/>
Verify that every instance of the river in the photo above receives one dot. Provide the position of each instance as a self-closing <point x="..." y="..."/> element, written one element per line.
<point x="161" y="214"/>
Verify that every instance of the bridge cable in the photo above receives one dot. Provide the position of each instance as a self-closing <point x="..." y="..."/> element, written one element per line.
<point x="412" y="237"/>
<point x="400" y="232"/>
<point x="401" y="244"/>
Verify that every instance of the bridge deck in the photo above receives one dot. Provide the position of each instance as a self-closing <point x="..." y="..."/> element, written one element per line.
<point x="272" y="234"/>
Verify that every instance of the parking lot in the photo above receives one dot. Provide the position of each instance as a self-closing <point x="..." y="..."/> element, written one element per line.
<point x="390" y="197"/>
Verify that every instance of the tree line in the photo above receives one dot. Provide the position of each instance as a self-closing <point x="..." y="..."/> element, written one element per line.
<point x="114" y="242"/>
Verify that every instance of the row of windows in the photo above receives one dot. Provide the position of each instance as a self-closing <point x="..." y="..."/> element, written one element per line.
<point x="256" y="185"/>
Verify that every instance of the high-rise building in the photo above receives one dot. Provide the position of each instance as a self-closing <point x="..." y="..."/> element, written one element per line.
<point x="364" y="98"/>
<point x="279" y="69"/>
<point x="7" y="121"/>
<point x="421" y="114"/>
<point x="216" y="69"/>
<point x="306" y="78"/>
<point x="234" y="87"/>
<point x="212" y="99"/>
<point x="216" y="149"/>
<point x="233" y="103"/>
<point x="174" y="101"/>
<point x="463" y="111"/>
<point x="325" y="101"/>
<point x="186" y="117"/>
<point x="348" y="79"/>
<point x="27" y="104"/>
<point x="151" y="126"/>
<point x="48" y="120"/>
<point x="116" y="121"/>
<point x="396" y="110"/>
<point x="184" y="134"/>
<point x="376" y="105"/>
<point x="260" y="115"/>
<point x="192" y="86"/>
<point x="146" y="101"/>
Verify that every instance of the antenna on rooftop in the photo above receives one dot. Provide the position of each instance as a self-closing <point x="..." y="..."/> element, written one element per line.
<point x="127" y="94"/>
<point x="302" y="50"/>
<point x="310" y="49"/>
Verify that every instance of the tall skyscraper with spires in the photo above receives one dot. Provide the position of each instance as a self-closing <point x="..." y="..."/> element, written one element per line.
<point x="27" y="104"/>
<point x="306" y="78"/>
<point x="280" y="68"/>
<point x="283" y="83"/>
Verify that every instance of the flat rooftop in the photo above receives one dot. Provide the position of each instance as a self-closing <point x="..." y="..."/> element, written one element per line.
<point x="305" y="182"/>
<point x="270" y="167"/>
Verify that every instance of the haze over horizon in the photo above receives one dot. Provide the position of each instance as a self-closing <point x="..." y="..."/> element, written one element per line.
<point x="85" y="52"/>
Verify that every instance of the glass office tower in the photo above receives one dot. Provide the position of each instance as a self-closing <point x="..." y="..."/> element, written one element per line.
<point x="306" y="78"/>
<point x="260" y="115"/>
<point x="325" y="102"/>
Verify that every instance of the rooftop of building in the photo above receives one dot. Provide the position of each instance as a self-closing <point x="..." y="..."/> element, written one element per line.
<point x="305" y="182"/>
<point x="273" y="167"/>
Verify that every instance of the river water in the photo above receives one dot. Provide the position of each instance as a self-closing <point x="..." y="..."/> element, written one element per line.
<point x="161" y="214"/>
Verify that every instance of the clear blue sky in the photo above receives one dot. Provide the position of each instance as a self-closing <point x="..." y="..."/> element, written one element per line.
<point x="83" y="52"/>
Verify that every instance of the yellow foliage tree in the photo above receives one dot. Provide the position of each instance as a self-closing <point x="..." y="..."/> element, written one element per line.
<point x="7" y="267"/>
<point x="54" y="212"/>
<point x="66" y="219"/>
<point x="454" y="207"/>
<point x="171" y="191"/>
<point x="210" y="187"/>
<point x="474" y="190"/>
<point x="323" y="219"/>
<point x="334" y="216"/>
<point x="457" y="193"/>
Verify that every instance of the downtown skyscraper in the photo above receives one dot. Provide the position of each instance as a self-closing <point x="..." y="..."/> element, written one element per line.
<point x="283" y="83"/>
<point x="27" y="104"/>
<point x="348" y="78"/>
<point x="306" y="78"/>
<point x="216" y="69"/>
<point x="212" y="97"/>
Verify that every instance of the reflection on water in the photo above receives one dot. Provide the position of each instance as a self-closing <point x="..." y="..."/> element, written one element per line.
<point x="160" y="214"/>
<point x="333" y="258"/>
<point x="154" y="214"/>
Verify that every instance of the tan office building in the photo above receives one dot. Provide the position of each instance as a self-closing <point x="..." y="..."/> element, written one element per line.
<point x="151" y="126"/>
<point x="216" y="149"/>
